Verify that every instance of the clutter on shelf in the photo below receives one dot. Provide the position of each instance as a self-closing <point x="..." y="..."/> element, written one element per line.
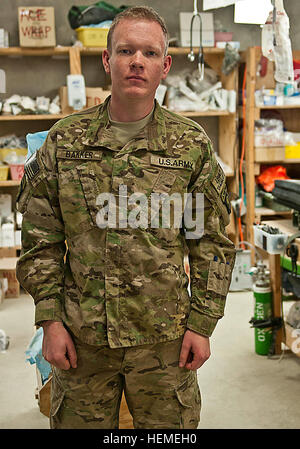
<point x="24" y="105"/>
<point x="13" y="151"/>
<point x="268" y="133"/>
<point x="187" y="93"/>
<point x="268" y="176"/>
<point x="92" y="22"/>
<point x="269" y="238"/>
<point x="293" y="316"/>
<point x="231" y="59"/>
<point x="4" y="39"/>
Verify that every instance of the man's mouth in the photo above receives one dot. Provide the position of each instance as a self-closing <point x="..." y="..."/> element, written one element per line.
<point x="136" y="77"/>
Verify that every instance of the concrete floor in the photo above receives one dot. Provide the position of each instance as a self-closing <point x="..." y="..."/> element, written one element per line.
<point x="240" y="390"/>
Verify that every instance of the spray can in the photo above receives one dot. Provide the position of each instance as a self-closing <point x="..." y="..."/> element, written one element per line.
<point x="262" y="308"/>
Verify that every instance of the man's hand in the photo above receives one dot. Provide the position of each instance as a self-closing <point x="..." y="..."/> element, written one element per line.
<point x="58" y="347"/>
<point x="195" y="350"/>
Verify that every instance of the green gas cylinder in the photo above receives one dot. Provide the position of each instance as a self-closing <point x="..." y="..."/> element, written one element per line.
<point x="262" y="309"/>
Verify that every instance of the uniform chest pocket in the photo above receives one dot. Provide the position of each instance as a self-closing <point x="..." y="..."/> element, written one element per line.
<point x="79" y="189"/>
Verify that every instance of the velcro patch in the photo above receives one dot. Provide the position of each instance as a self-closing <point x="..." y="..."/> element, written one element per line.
<point x="172" y="162"/>
<point x="31" y="166"/>
<point x="219" y="179"/>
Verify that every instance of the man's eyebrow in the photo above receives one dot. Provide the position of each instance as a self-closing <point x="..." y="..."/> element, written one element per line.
<point x="148" y="47"/>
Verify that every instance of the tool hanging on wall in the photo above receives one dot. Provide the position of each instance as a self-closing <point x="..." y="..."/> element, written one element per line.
<point x="191" y="55"/>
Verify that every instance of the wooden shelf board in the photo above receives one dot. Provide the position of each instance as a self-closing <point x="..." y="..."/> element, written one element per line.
<point x="285" y="106"/>
<point x="9" y="183"/>
<point x="265" y="211"/>
<point x="23" y="51"/>
<point x="64" y="50"/>
<point x="5" y="118"/>
<point x="284" y="161"/>
<point x="202" y="113"/>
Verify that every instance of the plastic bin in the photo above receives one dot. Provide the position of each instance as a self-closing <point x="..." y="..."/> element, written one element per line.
<point x="271" y="243"/>
<point x="19" y="152"/>
<point x="92" y="37"/>
<point x="4" y="172"/>
<point x="16" y="171"/>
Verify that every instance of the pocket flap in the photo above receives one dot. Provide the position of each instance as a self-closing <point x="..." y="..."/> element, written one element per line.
<point x="185" y="392"/>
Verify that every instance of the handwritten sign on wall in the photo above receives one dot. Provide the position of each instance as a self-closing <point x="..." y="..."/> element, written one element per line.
<point x="36" y="26"/>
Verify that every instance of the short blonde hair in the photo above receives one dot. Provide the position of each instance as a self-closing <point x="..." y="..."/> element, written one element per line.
<point x="142" y="13"/>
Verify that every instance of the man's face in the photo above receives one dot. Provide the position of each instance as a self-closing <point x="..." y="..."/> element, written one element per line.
<point x="136" y="62"/>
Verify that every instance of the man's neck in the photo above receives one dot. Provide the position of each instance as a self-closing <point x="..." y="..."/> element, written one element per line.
<point x="129" y="111"/>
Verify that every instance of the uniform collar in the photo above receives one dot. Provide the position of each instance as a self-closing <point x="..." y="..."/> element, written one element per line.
<point x="152" y="137"/>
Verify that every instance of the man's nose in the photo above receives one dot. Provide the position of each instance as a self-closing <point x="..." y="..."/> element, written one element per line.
<point x="137" y="60"/>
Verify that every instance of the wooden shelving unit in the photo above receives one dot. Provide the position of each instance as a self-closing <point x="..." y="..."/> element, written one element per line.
<point x="290" y="114"/>
<point x="227" y="122"/>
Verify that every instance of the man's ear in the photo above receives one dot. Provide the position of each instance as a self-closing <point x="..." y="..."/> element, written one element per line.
<point x="105" y="61"/>
<point x="167" y="66"/>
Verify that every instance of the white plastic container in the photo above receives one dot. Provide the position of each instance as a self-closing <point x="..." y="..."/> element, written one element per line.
<point x="271" y="243"/>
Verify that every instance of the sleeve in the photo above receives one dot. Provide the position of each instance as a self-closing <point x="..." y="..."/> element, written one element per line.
<point x="40" y="268"/>
<point x="212" y="255"/>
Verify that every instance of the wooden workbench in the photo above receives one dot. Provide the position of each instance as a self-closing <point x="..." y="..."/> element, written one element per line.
<point x="284" y="335"/>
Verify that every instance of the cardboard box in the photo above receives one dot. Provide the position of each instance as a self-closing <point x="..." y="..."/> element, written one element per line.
<point x="5" y="204"/>
<point x="36" y="26"/>
<point x="8" y="270"/>
<point x="272" y="154"/>
<point x="94" y="96"/>
<point x="208" y="37"/>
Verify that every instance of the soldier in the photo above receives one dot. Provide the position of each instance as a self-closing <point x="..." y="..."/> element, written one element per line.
<point x="113" y="299"/>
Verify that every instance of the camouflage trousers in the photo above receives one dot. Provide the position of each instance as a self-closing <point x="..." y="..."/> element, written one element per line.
<point x="159" y="394"/>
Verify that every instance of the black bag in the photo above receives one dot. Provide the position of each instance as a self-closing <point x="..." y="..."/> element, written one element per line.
<point x="93" y="14"/>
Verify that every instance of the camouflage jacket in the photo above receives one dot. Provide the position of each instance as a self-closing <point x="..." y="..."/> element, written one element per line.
<point x="123" y="286"/>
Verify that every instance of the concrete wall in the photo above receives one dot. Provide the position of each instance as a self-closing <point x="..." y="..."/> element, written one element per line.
<point x="35" y="76"/>
<point x="248" y="35"/>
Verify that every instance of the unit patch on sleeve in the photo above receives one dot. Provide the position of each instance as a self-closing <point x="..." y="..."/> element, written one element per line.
<point x="219" y="184"/>
<point x="31" y="166"/>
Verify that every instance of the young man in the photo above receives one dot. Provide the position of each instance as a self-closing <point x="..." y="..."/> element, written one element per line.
<point x="116" y="312"/>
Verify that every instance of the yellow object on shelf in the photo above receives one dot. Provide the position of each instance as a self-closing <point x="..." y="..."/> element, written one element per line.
<point x="4" y="172"/>
<point x="292" y="151"/>
<point x="92" y="37"/>
<point x="19" y="152"/>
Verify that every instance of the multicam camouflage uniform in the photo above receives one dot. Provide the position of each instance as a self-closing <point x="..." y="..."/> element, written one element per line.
<point x="123" y="287"/>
